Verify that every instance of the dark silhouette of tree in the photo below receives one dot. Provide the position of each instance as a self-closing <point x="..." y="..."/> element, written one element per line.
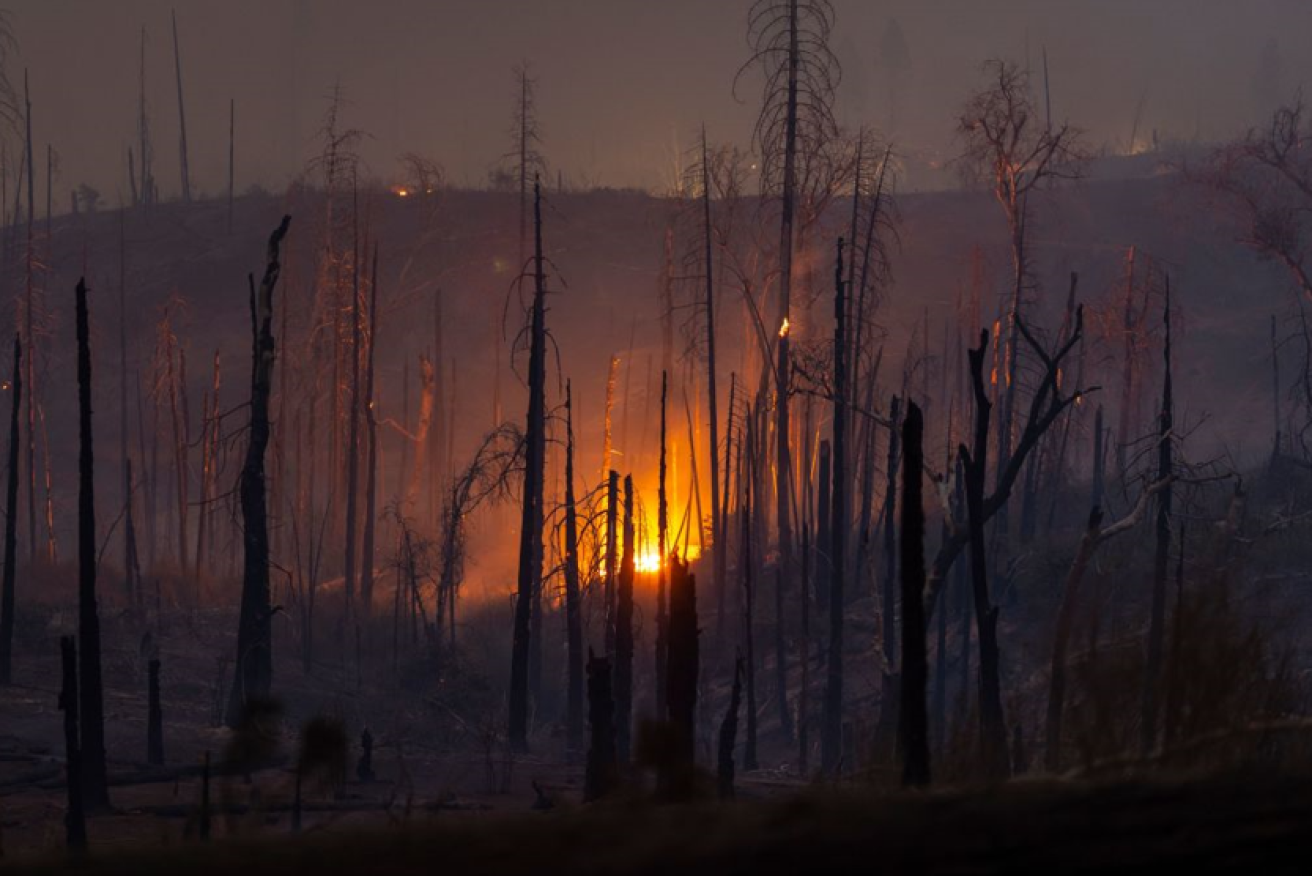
<point x="1008" y="145"/>
<point x="11" y="520"/>
<point x="685" y="658"/>
<point x="530" y="537"/>
<point x="913" y="719"/>
<point x="790" y="43"/>
<point x="729" y="733"/>
<point x="573" y="596"/>
<point x="90" y="688"/>
<point x="75" y="818"/>
<point x="1148" y="725"/>
<point x="253" y="670"/>
<point x="624" y="635"/>
<point x="831" y="736"/>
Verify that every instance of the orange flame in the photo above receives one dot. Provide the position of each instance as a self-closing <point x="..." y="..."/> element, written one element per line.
<point x="783" y="329"/>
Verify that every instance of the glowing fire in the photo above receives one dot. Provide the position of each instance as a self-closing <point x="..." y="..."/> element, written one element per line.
<point x="783" y="329"/>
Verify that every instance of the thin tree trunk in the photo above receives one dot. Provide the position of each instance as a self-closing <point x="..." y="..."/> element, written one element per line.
<point x="253" y="673"/>
<point x="91" y="694"/>
<point x="624" y="635"/>
<point x="11" y="521"/>
<point x="371" y="464"/>
<point x="530" y="544"/>
<point x="746" y="560"/>
<point x="1161" y="556"/>
<point x="573" y="618"/>
<point x="719" y="558"/>
<point x="602" y="768"/>
<point x="662" y="573"/>
<point x="993" y="731"/>
<point x="831" y="737"/>
<point x="913" y="720"/>
<point x="182" y="116"/>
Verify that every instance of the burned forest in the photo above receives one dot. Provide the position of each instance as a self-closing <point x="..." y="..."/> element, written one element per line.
<point x="765" y="435"/>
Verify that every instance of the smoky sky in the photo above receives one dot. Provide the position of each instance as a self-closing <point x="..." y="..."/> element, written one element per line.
<point x="623" y="85"/>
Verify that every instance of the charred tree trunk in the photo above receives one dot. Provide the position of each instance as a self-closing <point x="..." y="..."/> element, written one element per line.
<point x="11" y="522"/>
<point x="612" y="558"/>
<point x="913" y="720"/>
<point x="350" y="628"/>
<point x="729" y="733"/>
<point x="75" y="819"/>
<point x="662" y="573"/>
<point x="683" y="669"/>
<point x="371" y="462"/>
<point x="573" y="608"/>
<point x="602" y="769"/>
<point x="182" y="116"/>
<point x="624" y="636"/>
<point x="993" y="731"/>
<point x="718" y="558"/>
<point x="90" y="690"/>
<point x="1161" y="555"/>
<point x="154" y="718"/>
<point x="746" y="560"/>
<point x="530" y="537"/>
<point x="253" y="675"/>
<point x="1061" y="640"/>
<point x="831" y="737"/>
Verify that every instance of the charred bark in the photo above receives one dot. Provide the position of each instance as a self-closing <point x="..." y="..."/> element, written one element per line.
<point x="573" y="598"/>
<point x="253" y="674"/>
<point x="602" y="769"/>
<point x="11" y="521"/>
<point x="90" y="689"/>
<point x="75" y="819"/>
<point x="624" y="636"/>
<point x="913" y="720"/>
<point x="729" y="733"/>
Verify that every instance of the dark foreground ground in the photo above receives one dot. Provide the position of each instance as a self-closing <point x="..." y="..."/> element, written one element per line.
<point x="1233" y="824"/>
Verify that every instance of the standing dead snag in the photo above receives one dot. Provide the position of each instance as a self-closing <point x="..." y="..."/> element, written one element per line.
<point x="684" y="658"/>
<point x="913" y="722"/>
<point x="573" y="608"/>
<point x="601" y="769"/>
<point x="253" y="672"/>
<point x="746" y="560"/>
<point x="729" y="733"/>
<point x="11" y="522"/>
<point x="1095" y="535"/>
<point x="530" y="535"/>
<point x="624" y="635"/>
<point x="1161" y="556"/>
<point x="831" y="736"/>
<point x="662" y="572"/>
<point x="371" y="463"/>
<point x="154" y="717"/>
<point x="90" y="690"/>
<point x="75" y="819"/>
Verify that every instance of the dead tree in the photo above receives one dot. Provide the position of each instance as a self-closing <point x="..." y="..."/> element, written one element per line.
<point x="1095" y="535"/>
<point x="602" y="769"/>
<point x="790" y="42"/>
<point x="29" y="328"/>
<point x="11" y="521"/>
<point x="729" y="733"/>
<point x="831" y="736"/>
<point x="719" y="559"/>
<point x="1162" y="552"/>
<point x="684" y="659"/>
<point x="573" y="608"/>
<point x="75" y="819"/>
<point x="253" y="670"/>
<point x="182" y="116"/>
<point x="624" y="635"/>
<point x="612" y="559"/>
<point x="371" y="459"/>
<point x="530" y="537"/>
<point x="662" y="572"/>
<point x="90" y="689"/>
<point x="1006" y="145"/>
<point x="353" y="450"/>
<point x="913" y="721"/>
<point x="746" y="562"/>
<point x="154" y="717"/>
